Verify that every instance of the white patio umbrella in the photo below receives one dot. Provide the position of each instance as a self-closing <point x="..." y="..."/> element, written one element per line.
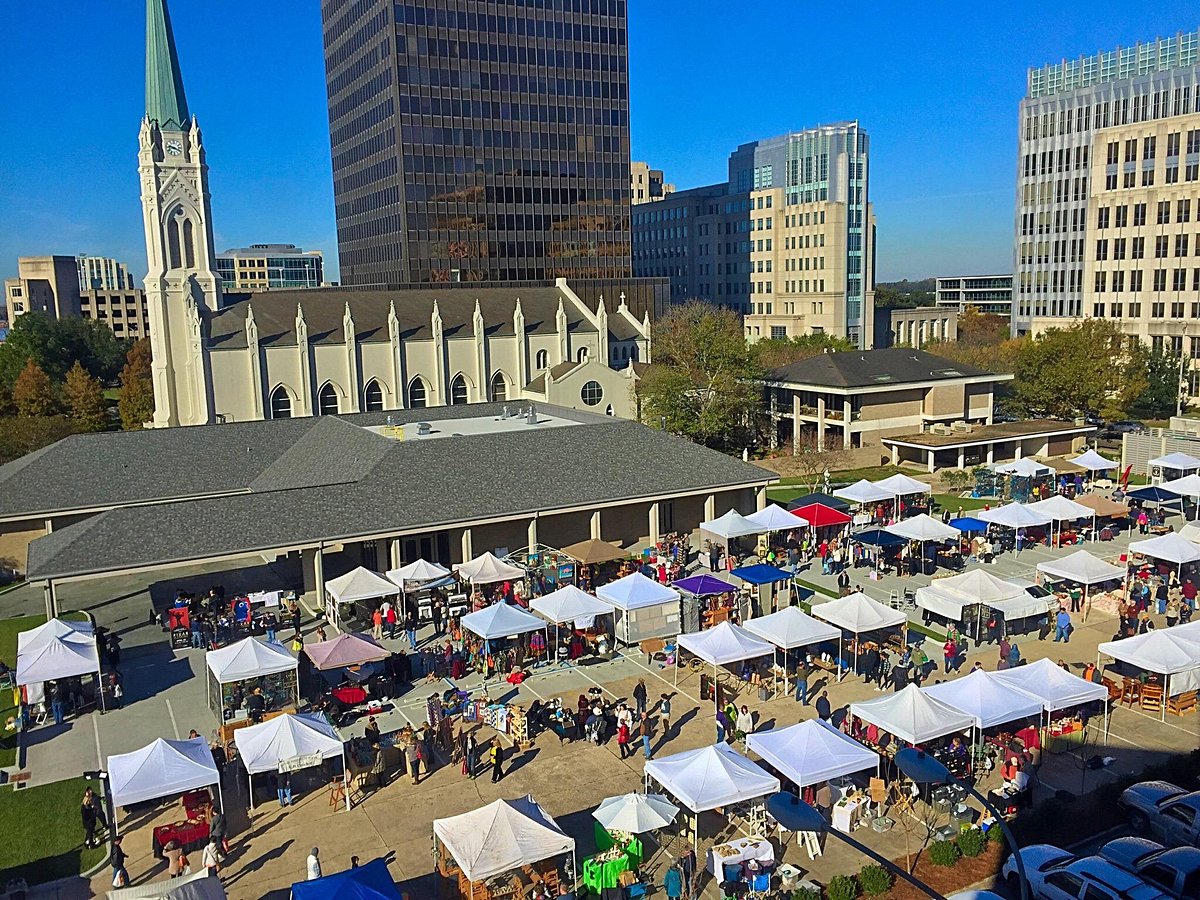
<point x="635" y="813"/>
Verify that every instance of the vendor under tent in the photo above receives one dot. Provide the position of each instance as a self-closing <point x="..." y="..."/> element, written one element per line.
<point x="1187" y="486"/>
<point x="289" y="743"/>
<point x="356" y="585"/>
<point x="570" y="604"/>
<point x="811" y="752"/>
<point x="818" y="515"/>
<point x="950" y="597"/>
<point x="731" y="525"/>
<point x="773" y="517"/>
<point x="644" y="609"/>
<point x="988" y="701"/>
<point x="1155" y="494"/>
<point x="416" y="572"/>
<point x="57" y="650"/>
<point x="1015" y="516"/>
<point x="763" y="576"/>
<point x="721" y="645"/>
<point x="1083" y="568"/>
<point x="712" y="777"/>
<point x="370" y="881"/>
<point x="922" y="529"/>
<point x="234" y="671"/>
<point x="1165" y="651"/>
<point x="1169" y="548"/>
<point x="1025" y="468"/>
<point x="858" y="614"/>
<point x="1055" y="687"/>
<point x="1093" y="461"/>
<point x="594" y="551"/>
<point x="162" y="769"/>
<point x="878" y="537"/>
<point x="901" y="485"/>
<point x="501" y="837"/>
<point x="1176" y="462"/>
<point x="487" y="568"/>
<point x="501" y="620"/>
<point x="1060" y="509"/>
<point x="863" y="491"/>
<point x="1103" y="507"/>
<point x="913" y="716"/>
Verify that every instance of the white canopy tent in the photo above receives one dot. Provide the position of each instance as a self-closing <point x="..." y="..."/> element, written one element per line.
<point x="1178" y="462"/>
<point x="360" y="584"/>
<point x="863" y="491"/>
<point x="901" y="485"/>
<point x="56" y="650"/>
<point x="417" y="571"/>
<point x="988" y="701"/>
<point x="249" y="658"/>
<point x="773" y="517"/>
<point x="721" y="645"/>
<point x="1174" y="655"/>
<point x="1060" y="509"/>
<point x="923" y="528"/>
<point x="1187" y="486"/>
<point x="286" y="741"/>
<point x="731" y="525"/>
<point x="1093" y="461"/>
<point x="1014" y="515"/>
<point x="487" y="568"/>
<point x="710" y="777"/>
<point x="913" y="716"/>
<point x="635" y="813"/>
<point x="1055" y="687"/>
<point x="950" y="596"/>
<point x="634" y="593"/>
<point x="1083" y="568"/>
<point x="1025" y="468"/>
<point x="501" y="620"/>
<point x="791" y="627"/>
<point x="1190" y="532"/>
<point x="501" y="837"/>
<point x="1169" y="547"/>
<point x="812" y="751"/>
<point x="161" y="769"/>
<point x="568" y="604"/>
<point x="857" y="613"/>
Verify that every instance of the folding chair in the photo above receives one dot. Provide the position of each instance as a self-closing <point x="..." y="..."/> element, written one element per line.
<point x="1131" y="691"/>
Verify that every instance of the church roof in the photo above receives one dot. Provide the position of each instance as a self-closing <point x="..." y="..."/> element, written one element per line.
<point x="275" y="314"/>
<point x="165" y="102"/>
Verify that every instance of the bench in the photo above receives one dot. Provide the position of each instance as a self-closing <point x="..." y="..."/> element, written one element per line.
<point x="1182" y="704"/>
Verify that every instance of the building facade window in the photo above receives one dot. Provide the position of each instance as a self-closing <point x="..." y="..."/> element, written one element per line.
<point x="327" y="401"/>
<point x="418" y="396"/>
<point x="541" y="359"/>
<point x="591" y="393"/>
<point x="373" y="397"/>
<point x="458" y="391"/>
<point x="499" y="389"/>
<point x="281" y="403"/>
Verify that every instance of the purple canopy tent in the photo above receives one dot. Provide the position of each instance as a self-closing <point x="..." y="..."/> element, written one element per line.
<point x="703" y="586"/>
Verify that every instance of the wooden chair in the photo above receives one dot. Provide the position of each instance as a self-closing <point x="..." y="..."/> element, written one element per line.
<point x="1182" y="704"/>
<point x="1131" y="691"/>
<point x="1152" y="697"/>
<point x="1114" y="690"/>
<point x="337" y="793"/>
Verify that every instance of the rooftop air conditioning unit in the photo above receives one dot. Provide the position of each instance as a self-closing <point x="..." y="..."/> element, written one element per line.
<point x="939" y="428"/>
<point x="424" y="428"/>
<point x="961" y="427"/>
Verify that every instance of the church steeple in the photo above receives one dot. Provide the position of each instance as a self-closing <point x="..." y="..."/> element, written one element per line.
<point x="166" y="104"/>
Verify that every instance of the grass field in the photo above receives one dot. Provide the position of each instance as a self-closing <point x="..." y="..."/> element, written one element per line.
<point x="9" y="629"/>
<point x="790" y="488"/>
<point x="43" y="836"/>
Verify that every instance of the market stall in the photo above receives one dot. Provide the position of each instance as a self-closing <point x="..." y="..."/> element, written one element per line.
<point x="1094" y="462"/>
<point x="881" y="543"/>
<point x="712" y="599"/>
<point x="1017" y="517"/>
<point x="344" y="593"/>
<point x="1057" y="689"/>
<point x="1171" y="654"/>
<point x="370" y="881"/>
<point x="912" y="716"/>
<point x="1104" y="508"/>
<point x="416" y="574"/>
<point x="821" y="515"/>
<point x="235" y="671"/>
<point x="343" y="667"/>
<point x="766" y="580"/>
<point x="499" y="622"/>
<point x="644" y="609"/>
<point x="968" y="598"/>
<point x="812" y="751"/>
<point x="287" y="744"/>
<point x="722" y="645"/>
<point x="922" y="529"/>
<point x="988" y="701"/>
<point x="619" y="822"/>
<point x="1061" y="510"/>
<point x="901" y="485"/>
<point x="57" y="650"/>
<point x="1187" y="486"/>
<point x="775" y="518"/>
<point x="1086" y="570"/>
<point x="1026" y="479"/>
<point x="500" y="849"/>
<point x="726" y="528"/>
<point x="791" y="628"/>
<point x="487" y="568"/>
<point x="1168" y="548"/>
<point x="862" y="492"/>
<point x="570" y="604"/>
<point x="858" y="614"/>
<point x="1176" y="463"/>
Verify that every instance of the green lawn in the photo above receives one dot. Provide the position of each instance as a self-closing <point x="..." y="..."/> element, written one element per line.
<point x="953" y="502"/>
<point x="9" y="629"/>
<point x="43" y="836"/>
<point x="790" y="488"/>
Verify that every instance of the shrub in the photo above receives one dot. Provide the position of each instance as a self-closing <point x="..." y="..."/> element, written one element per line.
<point x="842" y="887"/>
<point x="995" y="834"/>
<point x="875" y="880"/>
<point x="805" y="893"/>
<point x="943" y="853"/>
<point x="972" y="841"/>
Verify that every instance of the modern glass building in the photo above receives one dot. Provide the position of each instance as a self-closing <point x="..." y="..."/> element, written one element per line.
<point x="479" y="142"/>
<point x="266" y="266"/>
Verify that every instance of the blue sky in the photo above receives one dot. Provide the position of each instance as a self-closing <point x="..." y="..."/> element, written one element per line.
<point x="936" y="85"/>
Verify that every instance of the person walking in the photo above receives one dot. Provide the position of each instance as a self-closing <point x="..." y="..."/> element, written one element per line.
<point x="1062" y="627"/>
<point x="824" y="710"/>
<point x="377" y="624"/>
<point x="664" y="714"/>
<point x="389" y="618"/>
<point x="950" y="653"/>
<point x="497" y="760"/>
<point x="410" y="628"/>
<point x="623" y="739"/>
<point x="412" y="758"/>
<point x="218" y="829"/>
<point x="470" y="751"/>
<point x="639" y="696"/>
<point x="804" y="672"/>
<point x="116" y="858"/>
<point x="645" y="726"/>
<point x="313" y="869"/>
<point x="673" y="883"/>
<point x="212" y="865"/>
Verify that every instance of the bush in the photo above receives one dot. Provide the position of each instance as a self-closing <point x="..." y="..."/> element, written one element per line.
<point x="875" y="880"/>
<point x="995" y="834"/>
<point x="943" y="853"/>
<point x="805" y="893"/>
<point x="972" y="841"/>
<point x="842" y="887"/>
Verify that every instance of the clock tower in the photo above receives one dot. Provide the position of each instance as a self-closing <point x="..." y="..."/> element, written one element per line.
<point x="182" y="287"/>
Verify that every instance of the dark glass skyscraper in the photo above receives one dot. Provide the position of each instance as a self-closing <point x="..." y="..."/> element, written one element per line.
<point x="479" y="141"/>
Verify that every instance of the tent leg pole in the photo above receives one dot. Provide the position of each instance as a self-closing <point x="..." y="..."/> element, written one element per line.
<point x="250" y="788"/>
<point x="345" y="778"/>
<point x="100" y="690"/>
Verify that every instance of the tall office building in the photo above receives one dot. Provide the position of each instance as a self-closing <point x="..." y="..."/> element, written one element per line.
<point x="789" y="239"/>
<point x="103" y="273"/>
<point x="479" y="142"/>
<point x="1072" y="114"/>
<point x="262" y="267"/>
<point x="989" y="294"/>
<point x="54" y="285"/>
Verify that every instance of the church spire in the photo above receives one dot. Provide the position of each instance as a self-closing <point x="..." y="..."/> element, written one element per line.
<point x="165" y="103"/>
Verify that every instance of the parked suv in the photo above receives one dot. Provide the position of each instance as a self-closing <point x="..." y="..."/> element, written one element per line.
<point x="1055" y="874"/>
<point x="1164" y="811"/>
<point x="1175" y="871"/>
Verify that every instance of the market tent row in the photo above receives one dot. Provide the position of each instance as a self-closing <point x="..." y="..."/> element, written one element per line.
<point x="356" y="585"/>
<point x="161" y="769"/>
<point x="724" y="528"/>
<point x="913" y="716"/>
<point x="501" y="837"/>
<point x="288" y="743"/>
<point x="487" y="568"/>
<point x="950" y="596"/>
<point x="56" y="650"/>
<point x="811" y="752"/>
<point x="235" y="670"/>
<point x="858" y="614"/>
<point x="644" y="608"/>
<point x="1170" y="652"/>
<point x="1083" y="568"/>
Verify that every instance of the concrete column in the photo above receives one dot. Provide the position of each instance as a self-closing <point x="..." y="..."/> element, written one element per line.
<point x="710" y="507"/>
<point x="654" y="523"/>
<point x="467" y="552"/>
<point x="820" y="423"/>
<point x="846" y="423"/>
<point x="796" y="423"/>
<point x="394" y="552"/>
<point x="760" y="499"/>
<point x="312" y="562"/>
<point x="962" y="457"/>
<point x="596" y="525"/>
<point x="532" y="534"/>
<point x="991" y="454"/>
<point x="930" y="454"/>
<point x="51" y="600"/>
<point x="895" y="455"/>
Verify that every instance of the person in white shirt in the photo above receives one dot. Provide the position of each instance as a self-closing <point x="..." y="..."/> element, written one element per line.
<point x="745" y="720"/>
<point x="624" y="714"/>
<point x="210" y="862"/>
<point x="314" y="864"/>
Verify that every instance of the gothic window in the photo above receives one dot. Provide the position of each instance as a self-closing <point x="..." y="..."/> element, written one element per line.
<point x="541" y="359"/>
<point x="458" y="390"/>
<point x="609" y="411"/>
<point x="281" y="403"/>
<point x="633" y="353"/>
<point x="499" y="388"/>
<point x="582" y="355"/>
<point x="189" y="245"/>
<point x="327" y="401"/>
<point x="373" y="397"/>
<point x="174" y="260"/>
<point x="417" y="394"/>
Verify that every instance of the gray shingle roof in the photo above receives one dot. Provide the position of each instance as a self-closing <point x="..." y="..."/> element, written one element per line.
<point x="413" y="485"/>
<point x="870" y="368"/>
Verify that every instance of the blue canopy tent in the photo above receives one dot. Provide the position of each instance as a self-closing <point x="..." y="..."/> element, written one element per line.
<point x="1155" y="494"/>
<point x="369" y="882"/>
<point x="825" y="499"/>
<point x="877" y="537"/>
<point x="761" y="575"/>
<point x="969" y="524"/>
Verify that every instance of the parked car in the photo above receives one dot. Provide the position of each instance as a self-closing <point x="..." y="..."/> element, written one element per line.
<point x="1176" y="871"/>
<point x="1039" y="860"/>
<point x="1092" y="878"/>
<point x="1127" y="426"/>
<point x="1164" y="811"/>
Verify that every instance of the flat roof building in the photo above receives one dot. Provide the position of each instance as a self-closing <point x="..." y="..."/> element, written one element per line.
<point x="647" y="184"/>
<point x="262" y="267"/>
<point x="990" y="294"/>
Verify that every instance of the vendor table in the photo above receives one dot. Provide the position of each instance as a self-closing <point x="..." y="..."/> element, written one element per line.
<point x="189" y="836"/>
<point x="1061" y="743"/>
<point x="601" y="876"/>
<point x="197" y="803"/>
<point x="847" y="814"/>
<point x="739" y="851"/>
<point x="350" y="694"/>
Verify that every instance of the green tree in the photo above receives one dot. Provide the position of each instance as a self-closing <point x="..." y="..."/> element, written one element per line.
<point x="136" y="400"/>
<point x="704" y="381"/>
<point x="1161" y="397"/>
<point x="982" y="342"/>
<point x="905" y="294"/>
<point x="85" y="397"/>
<point x="56" y="344"/>
<point x="20" y="434"/>
<point x="33" y="392"/>
<point x="774" y="353"/>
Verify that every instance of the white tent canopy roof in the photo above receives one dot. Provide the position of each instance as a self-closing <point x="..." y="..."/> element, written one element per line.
<point x="418" y="570"/>
<point x="264" y="746"/>
<point x="948" y="596"/>
<point x="636" y="591"/>
<point x="635" y="813"/>
<point x="1082" y="567"/>
<point x="1024" y="467"/>
<point x="725" y="643"/>
<point x="56" y="650"/>
<point x="732" y="524"/>
<point x="1061" y="509"/>
<point x="488" y="568"/>
<point x="360" y="584"/>
<point x="811" y="751"/>
<point x="987" y="701"/>
<point x="1167" y="547"/>
<point x="1190" y="532"/>
<point x="1180" y="462"/>
<point x="569" y="603"/>
<point x="56" y="629"/>
<point x="922" y="528"/>
<point x="161" y="769"/>
<point x="1015" y="515"/>
<point x="248" y="658"/>
<point x="913" y="716"/>
<point x="1163" y="650"/>
<point x="1093" y="461"/>
<point x="858" y="613"/>
<point x="1187" y="486"/>
<point x="902" y="484"/>
<point x="502" y="836"/>
<point x="775" y="518"/>
<point x="1056" y="688"/>
<point x="863" y="491"/>
<point x="791" y="627"/>
<point x="501" y="620"/>
<point x="712" y="776"/>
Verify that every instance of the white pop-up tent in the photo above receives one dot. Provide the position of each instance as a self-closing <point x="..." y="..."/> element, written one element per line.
<point x="773" y="517"/>
<point x="487" y="568"/>
<point x="901" y="485"/>
<point x="417" y="571"/>
<point x="643" y="608"/>
<point x="988" y="701"/>
<point x="1025" y="468"/>
<point x="250" y="658"/>
<point x="913" y="716"/>
<point x="1168" y="547"/>
<point x="1060" y="509"/>
<point x="1176" y="462"/>
<point x="1054" y="686"/>
<point x="811" y="751"/>
<point x="569" y="603"/>
<point x="1085" y="569"/>
<point x="858" y="614"/>
<point x="502" y="836"/>
<point x="710" y="777"/>
<point x="1014" y="515"/>
<point x="287" y="743"/>
<point x="58" y="649"/>
<point x="1174" y="655"/>
<point x="721" y="645"/>
<point x="1093" y="461"/>
<point x="731" y="525"/>
<point x="923" y="528"/>
<point x="791" y="627"/>
<point x="162" y="769"/>
<point x="950" y="596"/>
<point x="863" y="491"/>
<point x="358" y="584"/>
<point x="1190" y="532"/>
<point x="501" y="620"/>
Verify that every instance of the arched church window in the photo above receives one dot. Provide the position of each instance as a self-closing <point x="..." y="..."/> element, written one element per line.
<point x="582" y="355"/>
<point x="281" y="403"/>
<point x="499" y="389"/>
<point x="373" y="397"/>
<point x="189" y="245"/>
<point x="327" y="401"/>
<point x="541" y="359"/>
<point x="174" y="260"/>
<point x="458" y="390"/>
<point x="417" y="395"/>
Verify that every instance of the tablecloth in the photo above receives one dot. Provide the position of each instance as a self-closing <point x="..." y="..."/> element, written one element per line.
<point x="739" y="851"/>
<point x="189" y="835"/>
<point x="350" y="695"/>
<point x="196" y="802"/>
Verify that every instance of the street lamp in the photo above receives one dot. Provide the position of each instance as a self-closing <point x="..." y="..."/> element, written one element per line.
<point x="924" y="769"/>
<point x="794" y="814"/>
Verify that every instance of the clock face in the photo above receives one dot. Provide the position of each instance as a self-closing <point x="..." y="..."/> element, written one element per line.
<point x="174" y="147"/>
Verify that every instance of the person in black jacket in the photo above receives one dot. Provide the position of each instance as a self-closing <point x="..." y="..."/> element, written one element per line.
<point x="824" y="710"/>
<point x="900" y="676"/>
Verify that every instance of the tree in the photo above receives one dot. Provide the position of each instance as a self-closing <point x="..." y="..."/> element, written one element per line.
<point x="1161" y="397"/>
<point x="55" y="344"/>
<point x="85" y="397"/>
<point x="136" y="400"/>
<point x="33" y="392"/>
<point x="20" y="435"/>
<point x="905" y="294"/>
<point x="982" y="342"/>
<point x="703" y="382"/>
<point x="774" y="353"/>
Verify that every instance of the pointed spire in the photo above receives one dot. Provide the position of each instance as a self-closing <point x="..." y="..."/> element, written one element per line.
<point x="165" y="103"/>
<point x="251" y="325"/>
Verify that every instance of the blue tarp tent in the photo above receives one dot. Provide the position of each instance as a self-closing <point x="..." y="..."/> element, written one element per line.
<point x="877" y="537"/>
<point x="969" y="524"/>
<point x="761" y="574"/>
<point x="369" y="882"/>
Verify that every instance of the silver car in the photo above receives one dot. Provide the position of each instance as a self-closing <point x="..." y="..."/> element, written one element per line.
<point x="1164" y="811"/>
<point x="1176" y="871"/>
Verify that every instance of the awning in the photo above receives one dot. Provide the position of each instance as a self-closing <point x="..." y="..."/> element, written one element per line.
<point x="594" y="551"/>
<point x="360" y="584"/>
<point x="1179" y="462"/>
<point x="712" y="776"/>
<point x="724" y="644"/>
<point x="878" y="537"/>
<point x="1163" y="650"/>
<point x="248" y="658"/>
<point x="923" y="528"/>
<point x="345" y="650"/>
<point x="703" y="585"/>
<point x="1014" y="515"/>
<point x="863" y="491"/>
<point x="501" y="620"/>
<point x="913" y="716"/>
<point x="1060" y="509"/>
<point x="636" y="591"/>
<point x="969" y="524"/>
<point x="858" y="613"/>
<point x="791" y="627"/>
<point x="811" y="752"/>
<point x="161" y="769"/>
<point x="1055" y="687"/>
<point x="731" y="525"/>
<point x="774" y="518"/>
<point x="1093" y="461"/>
<point x="761" y="573"/>
<point x="824" y="499"/>
<point x="819" y="516"/>
<point x="1083" y="568"/>
<point x="1167" y="547"/>
<point x="569" y="603"/>
<point x="500" y="837"/>
<point x="1153" y="494"/>
<point x="1102" y="506"/>
<point x="988" y="701"/>
<point x="488" y="569"/>
<point x="56" y="649"/>
<point x="418" y="570"/>
<point x="264" y="746"/>
<point x="948" y="596"/>
<point x="1190" y="532"/>
<point x="900" y="485"/>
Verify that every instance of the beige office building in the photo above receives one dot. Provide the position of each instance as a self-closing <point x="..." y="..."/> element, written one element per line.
<point x="46" y="284"/>
<point x="647" y="184"/>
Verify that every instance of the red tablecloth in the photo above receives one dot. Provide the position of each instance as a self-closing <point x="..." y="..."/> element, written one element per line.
<point x="196" y="802"/>
<point x="350" y="694"/>
<point x="186" y="834"/>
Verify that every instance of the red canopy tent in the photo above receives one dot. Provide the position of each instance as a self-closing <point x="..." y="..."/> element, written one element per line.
<point x="818" y="515"/>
